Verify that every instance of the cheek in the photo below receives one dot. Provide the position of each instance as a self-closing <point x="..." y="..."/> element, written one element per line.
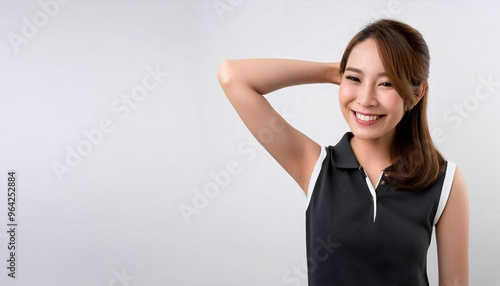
<point x="346" y="94"/>
<point x="395" y="103"/>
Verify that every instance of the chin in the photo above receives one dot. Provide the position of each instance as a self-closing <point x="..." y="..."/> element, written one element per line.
<point x="373" y="134"/>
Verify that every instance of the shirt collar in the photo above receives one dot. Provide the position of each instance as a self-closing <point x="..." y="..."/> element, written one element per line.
<point x="343" y="156"/>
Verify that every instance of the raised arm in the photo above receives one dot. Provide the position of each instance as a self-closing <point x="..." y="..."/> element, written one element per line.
<point x="245" y="81"/>
<point x="452" y="235"/>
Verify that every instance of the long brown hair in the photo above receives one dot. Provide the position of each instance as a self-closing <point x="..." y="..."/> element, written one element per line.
<point x="405" y="56"/>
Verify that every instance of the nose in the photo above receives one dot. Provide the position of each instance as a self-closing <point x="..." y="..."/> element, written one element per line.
<point x="366" y="96"/>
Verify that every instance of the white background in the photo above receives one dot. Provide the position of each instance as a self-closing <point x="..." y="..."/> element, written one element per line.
<point x="114" y="217"/>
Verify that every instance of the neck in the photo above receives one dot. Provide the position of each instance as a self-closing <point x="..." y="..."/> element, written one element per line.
<point x="374" y="153"/>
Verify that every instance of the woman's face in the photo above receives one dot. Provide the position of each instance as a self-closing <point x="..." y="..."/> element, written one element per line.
<point x="369" y="103"/>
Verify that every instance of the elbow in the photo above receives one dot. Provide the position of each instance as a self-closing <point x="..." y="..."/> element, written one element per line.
<point x="225" y="73"/>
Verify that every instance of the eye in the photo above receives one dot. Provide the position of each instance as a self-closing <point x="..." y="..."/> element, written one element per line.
<point x="386" y="84"/>
<point x="352" y="78"/>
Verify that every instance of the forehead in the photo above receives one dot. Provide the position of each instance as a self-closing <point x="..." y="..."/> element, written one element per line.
<point x="365" y="56"/>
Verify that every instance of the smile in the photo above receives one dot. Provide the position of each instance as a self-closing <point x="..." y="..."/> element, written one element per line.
<point x="366" y="117"/>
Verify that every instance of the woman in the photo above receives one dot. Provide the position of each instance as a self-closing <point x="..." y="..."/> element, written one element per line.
<point x="375" y="197"/>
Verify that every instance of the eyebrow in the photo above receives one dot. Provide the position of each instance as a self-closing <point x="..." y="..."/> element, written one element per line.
<point x="356" y="70"/>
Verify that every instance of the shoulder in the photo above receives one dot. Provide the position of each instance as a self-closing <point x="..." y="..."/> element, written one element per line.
<point x="458" y="189"/>
<point x="457" y="201"/>
<point x="458" y="194"/>
<point x="459" y="182"/>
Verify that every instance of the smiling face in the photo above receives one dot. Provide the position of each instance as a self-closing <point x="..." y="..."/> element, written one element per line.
<point x="370" y="104"/>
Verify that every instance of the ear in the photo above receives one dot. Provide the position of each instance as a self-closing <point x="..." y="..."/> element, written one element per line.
<point x="419" y="93"/>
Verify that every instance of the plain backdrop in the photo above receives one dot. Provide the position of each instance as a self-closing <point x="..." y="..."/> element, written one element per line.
<point x="113" y="119"/>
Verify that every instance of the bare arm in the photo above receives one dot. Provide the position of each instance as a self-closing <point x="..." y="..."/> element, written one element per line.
<point x="245" y="81"/>
<point x="452" y="235"/>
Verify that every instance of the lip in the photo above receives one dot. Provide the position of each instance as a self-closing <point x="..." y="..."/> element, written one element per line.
<point x="359" y="121"/>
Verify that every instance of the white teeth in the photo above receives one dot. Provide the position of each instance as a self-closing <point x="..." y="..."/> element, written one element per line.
<point x="367" y="117"/>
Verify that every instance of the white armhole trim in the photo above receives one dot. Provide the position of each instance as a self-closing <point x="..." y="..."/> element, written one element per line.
<point x="445" y="192"/>
<point x="315" y="174"/>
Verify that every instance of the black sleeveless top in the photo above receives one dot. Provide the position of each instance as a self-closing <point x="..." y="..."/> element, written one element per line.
<point x="360" y="235"/>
